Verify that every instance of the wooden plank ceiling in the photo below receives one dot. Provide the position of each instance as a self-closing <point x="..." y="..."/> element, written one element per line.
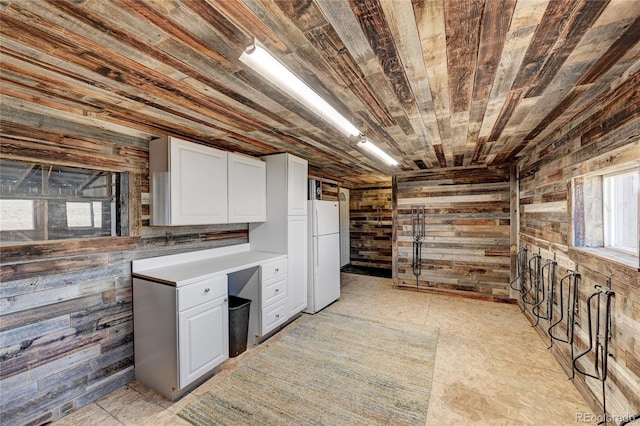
<point x="437" y="84"/>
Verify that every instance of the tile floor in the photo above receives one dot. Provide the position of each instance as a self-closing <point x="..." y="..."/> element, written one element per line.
<point x="491" y="367"/>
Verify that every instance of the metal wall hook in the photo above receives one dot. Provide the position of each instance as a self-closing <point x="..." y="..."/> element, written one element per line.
<point x="542" y="295"/>
<point x="418" y="231"/>
<point x="572" y="280"/>
<point x="521" y="266"/>
<point x="599" y="343"/>
<point x="534" y="279"/>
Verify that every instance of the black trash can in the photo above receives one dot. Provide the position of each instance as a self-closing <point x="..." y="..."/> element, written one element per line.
<point x="238" y="325"/>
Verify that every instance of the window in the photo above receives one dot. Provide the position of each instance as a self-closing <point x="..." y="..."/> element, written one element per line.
<point x="84" y="215"/>
<point x="16" y="215"/>
<point x="79" y="215"/>
<point x="605" y="212"/>
<point x="40" y="202"/>
<point x="620" y="211"/>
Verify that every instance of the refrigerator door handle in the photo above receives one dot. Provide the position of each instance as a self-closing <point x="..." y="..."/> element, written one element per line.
<point x="317" y="255"/>
<point x="315" y="224"/>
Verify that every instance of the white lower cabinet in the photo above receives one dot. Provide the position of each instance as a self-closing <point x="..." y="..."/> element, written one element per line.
<point x="203" y="339"/>
<point x="274" y="290"/>
<point x="180" y="333"/>
<point x="274" y="316"/>
<point x="274" y="296"/>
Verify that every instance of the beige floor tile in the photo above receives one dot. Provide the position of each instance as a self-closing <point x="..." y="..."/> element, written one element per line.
<point x="445" y="410"/>
<point x="166" y="418"/>
<point x="506" y="406"/>
<point x="89" y="415"/>
<point x="129" y="406"/>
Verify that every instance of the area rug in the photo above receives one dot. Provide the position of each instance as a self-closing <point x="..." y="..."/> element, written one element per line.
<point x="333" y="369"/>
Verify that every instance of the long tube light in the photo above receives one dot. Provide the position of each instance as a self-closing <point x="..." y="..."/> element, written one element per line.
<point x="372" y="148"/>
<point x="261" y="61"/>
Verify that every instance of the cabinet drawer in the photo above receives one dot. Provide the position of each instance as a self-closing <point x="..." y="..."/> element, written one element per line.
<point x="274" y="269"/>
<point x="274" y="315"/>
<point x="274" y="290"/>
<point x="201" y="292"/>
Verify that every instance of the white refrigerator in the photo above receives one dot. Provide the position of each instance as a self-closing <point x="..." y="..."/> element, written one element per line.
<point x="324" y="254"/>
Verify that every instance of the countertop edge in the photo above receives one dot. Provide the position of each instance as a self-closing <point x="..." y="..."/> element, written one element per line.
<point x="159" y="275"/>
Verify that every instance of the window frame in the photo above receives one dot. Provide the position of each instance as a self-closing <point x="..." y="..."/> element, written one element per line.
<point x="586" y="219"/>
<point x="122" y="227"/>
<point x="606" y="215"/>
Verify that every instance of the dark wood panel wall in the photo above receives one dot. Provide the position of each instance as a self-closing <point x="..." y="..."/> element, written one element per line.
<point x="598" y="141"/>
<point x="66" y="331"/>
<point x="370" y="229"/>
<point x="466" y="245"/>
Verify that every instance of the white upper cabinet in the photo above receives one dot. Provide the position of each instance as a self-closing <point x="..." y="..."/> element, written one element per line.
<point x="198" y="184"/>
<point x="193" y="184"/>
<point x="188" y="183"/>
<point x="296" y="185"/>
<point x="247" y="189"/>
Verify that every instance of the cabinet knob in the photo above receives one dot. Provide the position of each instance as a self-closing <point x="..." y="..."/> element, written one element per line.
<point x="277" y="290"/>
<point x="277" y="269"/>
<point x="277" y="315"/>
<point x="207" y="290"/>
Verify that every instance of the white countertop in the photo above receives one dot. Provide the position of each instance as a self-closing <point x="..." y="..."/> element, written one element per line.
<point x="187" y="268"/>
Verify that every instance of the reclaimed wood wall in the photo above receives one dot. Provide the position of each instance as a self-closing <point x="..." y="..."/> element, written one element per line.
<point x="466" y="244"/>
<point x="330" y="191"/>
<point x="602" y="137"/>
<point x="370" y="210"/>
<point x="66" y="332"/>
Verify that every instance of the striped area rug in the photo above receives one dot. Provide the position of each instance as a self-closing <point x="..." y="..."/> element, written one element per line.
<point x="333" y="369"/>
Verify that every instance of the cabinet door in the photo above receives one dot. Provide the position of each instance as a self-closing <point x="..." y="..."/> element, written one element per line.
<point x="297" y="176"/>
<point x="198" y="184"/>
<point x="297" y="263"/>
<point x="203" y="337"/>
<point x="247" y="189"/>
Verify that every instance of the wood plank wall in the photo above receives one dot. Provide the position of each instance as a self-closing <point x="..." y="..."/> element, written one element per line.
<point x="599" y="140"/>
<point x="330" y="191"/>
<point x="66" y="332"/>
<point x="466" y="248"/>
<point x="370" y="226"/>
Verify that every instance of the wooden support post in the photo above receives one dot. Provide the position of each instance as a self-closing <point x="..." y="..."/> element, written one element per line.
<point x="394" y="232"/>
<point x="514" y="196"/>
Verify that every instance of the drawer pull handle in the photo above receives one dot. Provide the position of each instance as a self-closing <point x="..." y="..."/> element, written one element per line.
<point x="277" y="315"/>
<point x="207" y="290"/>
<point x="277" y="290"/>
<point x="277" y="269"/>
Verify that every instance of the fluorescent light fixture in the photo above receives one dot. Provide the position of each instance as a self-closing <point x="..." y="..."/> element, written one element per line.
<point x="372" y="148"/>
<point x="261" y="61"/>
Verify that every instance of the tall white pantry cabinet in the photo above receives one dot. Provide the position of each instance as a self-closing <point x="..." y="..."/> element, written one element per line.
<point x="285" y="230"/>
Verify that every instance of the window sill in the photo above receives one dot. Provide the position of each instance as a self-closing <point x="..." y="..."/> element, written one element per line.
<point x="616" y="256"/>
